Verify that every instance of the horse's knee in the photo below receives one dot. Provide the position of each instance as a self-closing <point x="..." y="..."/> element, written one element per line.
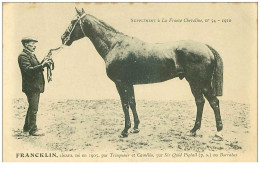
<point x="132" y="103"/>
<point x="125" y="106"/>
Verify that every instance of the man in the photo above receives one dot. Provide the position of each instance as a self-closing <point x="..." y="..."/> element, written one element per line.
<point x="32" y="83"/>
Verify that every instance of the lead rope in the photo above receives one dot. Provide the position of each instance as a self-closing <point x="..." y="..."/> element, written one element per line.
<point x="51" y="66"/>
<point x="49" y="56"/>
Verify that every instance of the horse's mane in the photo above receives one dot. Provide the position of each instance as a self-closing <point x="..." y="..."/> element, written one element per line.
<point x="103" y="24"/>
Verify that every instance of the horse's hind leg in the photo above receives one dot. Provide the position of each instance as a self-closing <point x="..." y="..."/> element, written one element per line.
<point x="199" y="99"/>
<point x="214" y="103"/>
<point x="123" y="93"/>
<point x="132" y="103"/>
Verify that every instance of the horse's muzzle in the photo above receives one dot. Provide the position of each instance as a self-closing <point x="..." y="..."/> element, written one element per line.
<point x="65" y="40"/>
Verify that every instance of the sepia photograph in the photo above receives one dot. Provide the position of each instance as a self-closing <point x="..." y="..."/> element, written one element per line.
<point x="129" y="82"/>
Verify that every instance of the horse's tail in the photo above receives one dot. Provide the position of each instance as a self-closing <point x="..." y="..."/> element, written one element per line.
<point x="217" y="77"/>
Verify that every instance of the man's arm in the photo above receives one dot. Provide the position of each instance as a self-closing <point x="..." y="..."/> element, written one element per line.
<point x="26" y="66"/>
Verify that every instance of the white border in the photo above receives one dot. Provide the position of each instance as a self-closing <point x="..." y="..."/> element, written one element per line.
<point x="125" y="171"/>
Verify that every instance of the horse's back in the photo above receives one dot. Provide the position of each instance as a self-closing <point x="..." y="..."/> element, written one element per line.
<point x="192" y="50"/>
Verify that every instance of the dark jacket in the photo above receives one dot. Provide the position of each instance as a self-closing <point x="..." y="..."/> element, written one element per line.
<point x="32" y="72"/>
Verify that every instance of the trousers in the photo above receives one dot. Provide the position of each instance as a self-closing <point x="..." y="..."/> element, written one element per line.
<point x="31" y="115"/>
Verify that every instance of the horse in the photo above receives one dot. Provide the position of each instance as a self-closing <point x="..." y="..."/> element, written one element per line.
<point x="130" y="61"/>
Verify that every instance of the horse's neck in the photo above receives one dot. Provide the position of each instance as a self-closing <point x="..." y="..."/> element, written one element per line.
<point x="102" y="45"/>
<point x="102" y="37"/>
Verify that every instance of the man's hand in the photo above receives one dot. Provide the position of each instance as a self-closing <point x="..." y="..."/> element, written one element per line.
<point x="46" y="63"/>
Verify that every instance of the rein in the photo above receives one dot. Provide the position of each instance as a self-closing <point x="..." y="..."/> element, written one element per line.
<point x="51" y="66"/>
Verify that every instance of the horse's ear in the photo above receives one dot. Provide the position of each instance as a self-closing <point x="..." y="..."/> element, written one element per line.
<point x="78" y="11"/>
<point x="83" y="11"/>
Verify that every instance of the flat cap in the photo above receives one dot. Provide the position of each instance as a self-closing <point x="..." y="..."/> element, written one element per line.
<point x="28" y="39"/>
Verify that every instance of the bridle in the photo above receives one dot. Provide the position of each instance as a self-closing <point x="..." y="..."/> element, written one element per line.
<point x="70" y="30"/>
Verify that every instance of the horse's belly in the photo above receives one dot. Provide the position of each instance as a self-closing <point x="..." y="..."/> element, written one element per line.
<point x="142" y="72"/>
<point x="148" y="74"/>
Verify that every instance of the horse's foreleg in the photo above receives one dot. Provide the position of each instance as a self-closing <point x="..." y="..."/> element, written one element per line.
<point x="123" y="93"/>
<point x="132" y="103"/>
<point x="214" y="103"/>
<point x="199" y="99"/>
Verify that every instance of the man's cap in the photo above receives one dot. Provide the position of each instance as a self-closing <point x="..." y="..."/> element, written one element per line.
<point x="28" y="39"/>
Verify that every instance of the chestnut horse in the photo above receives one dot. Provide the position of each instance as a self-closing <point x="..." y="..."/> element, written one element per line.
<point x="130" y="61"/>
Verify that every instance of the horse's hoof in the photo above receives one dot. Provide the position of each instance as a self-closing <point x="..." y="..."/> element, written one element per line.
<point x="218" y="137"/>
<point x="191" y="133"/>
<point x="123" y="135"/>
<point x="135" y="131"/>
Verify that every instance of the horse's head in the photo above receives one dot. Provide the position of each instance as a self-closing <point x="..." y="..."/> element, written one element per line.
<point x="75" y="30"/>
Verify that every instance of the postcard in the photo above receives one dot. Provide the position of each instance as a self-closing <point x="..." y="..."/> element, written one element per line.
<point x="129" y="82"/>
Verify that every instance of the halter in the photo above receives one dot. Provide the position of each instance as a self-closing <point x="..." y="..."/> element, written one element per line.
<point x="79" y="19"/>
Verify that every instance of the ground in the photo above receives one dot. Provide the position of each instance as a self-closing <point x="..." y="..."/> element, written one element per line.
<point x="94" y="126"/>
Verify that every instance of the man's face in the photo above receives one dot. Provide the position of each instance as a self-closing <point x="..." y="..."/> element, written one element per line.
<point x="31" y="46"/>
